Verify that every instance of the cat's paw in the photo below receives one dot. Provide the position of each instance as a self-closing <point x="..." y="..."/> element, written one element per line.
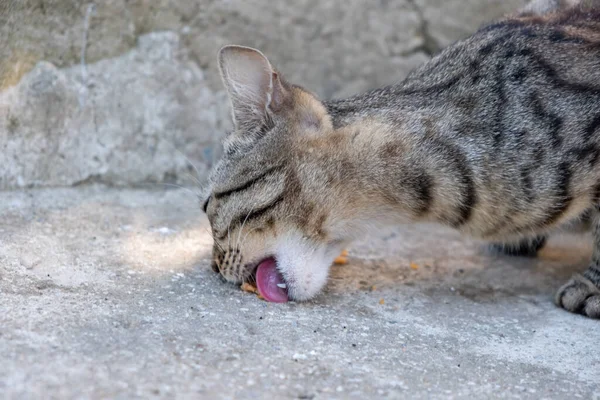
<point x="524" y="248"/>
<point x="579" y="296"/>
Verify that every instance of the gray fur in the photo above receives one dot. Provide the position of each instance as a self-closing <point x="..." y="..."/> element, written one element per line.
<point x="497" y="136"/>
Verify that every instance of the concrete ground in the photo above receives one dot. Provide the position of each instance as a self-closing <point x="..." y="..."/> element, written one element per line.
<point x="108" y="293"/>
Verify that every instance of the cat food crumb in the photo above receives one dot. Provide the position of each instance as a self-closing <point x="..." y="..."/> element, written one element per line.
<point x="381" y="301"/>
<point x="413" y="266"/>
<point x="250" y="288"/>
<point x="342" y="258"/>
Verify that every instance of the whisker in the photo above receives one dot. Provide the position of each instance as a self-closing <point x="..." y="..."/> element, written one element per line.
<point x="214" y="241"/>
<point x="292" y="215"/>
<point x="197" y="195"/>
<point x="209" y="232"/>
<point x="228" y="237"/>
<point x="254" y="204"/>
<point x="200" y="184"/>
<point x="242" y="227"/>
<point x="185" y="157"/>
<point x="247" y="233"/>
<point x="219" y="246"/>
<point x="252" y="230"/>
<point x="251" y="278"/>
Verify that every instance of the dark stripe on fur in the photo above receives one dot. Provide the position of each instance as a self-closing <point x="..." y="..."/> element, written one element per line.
<point x="248" y="183"/>
<point x="423" y="189"/>
<point x="563" y="197"/>
<point x="593" y="126"/>
<point x="257" y="213"/>
<point x="499" y="91"/>
<point x="589" y="153"/>
<point x="553" y="76"/>
<point x="465" y="177"/>
<point x="433" y="89"/>
<point x="527" y="184"/>
<point x="554" y="122"/>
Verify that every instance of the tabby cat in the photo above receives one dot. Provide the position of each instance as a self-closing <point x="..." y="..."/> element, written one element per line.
<point x="497" y="136"/>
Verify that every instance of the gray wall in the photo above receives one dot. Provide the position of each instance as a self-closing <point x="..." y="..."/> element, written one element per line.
<point x="148" y="89"/>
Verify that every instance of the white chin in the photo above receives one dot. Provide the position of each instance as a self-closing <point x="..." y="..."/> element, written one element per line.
<point x="304" y="264"/>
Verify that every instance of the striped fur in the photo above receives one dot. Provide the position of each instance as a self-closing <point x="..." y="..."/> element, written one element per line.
<point x="497" y="136"/>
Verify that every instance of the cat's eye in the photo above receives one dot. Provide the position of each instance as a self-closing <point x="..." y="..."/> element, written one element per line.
<point x="205" y="206"/>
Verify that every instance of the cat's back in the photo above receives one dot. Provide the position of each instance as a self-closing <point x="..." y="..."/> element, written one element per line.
<point x="521" y="53"/>
<point x="520" y="101"/>
<point x="507" y="121"/>
<point x="559" y="46"/>
<point x="568" y="40"/>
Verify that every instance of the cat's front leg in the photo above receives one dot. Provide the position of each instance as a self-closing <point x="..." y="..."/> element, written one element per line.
<point x="581" y="294"/>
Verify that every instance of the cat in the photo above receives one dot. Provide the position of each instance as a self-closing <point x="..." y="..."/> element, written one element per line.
<point x="497" y="136"/>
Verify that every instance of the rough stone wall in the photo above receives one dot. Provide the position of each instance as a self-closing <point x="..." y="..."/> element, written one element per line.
<point x="115" y="91"/>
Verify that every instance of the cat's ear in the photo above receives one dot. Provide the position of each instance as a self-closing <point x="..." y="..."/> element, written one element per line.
<point x="254" y="87"/>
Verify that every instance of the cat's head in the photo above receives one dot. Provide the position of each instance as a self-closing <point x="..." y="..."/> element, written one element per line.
<point x="261" y="200"/>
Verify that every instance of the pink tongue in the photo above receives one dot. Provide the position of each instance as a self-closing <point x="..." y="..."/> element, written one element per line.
<point x="267" y="279"/>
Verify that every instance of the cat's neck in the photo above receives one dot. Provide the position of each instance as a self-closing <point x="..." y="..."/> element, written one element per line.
<point x="371" y="166"/>
<point x="374" y="104"/>
<point x="387" y="150"/>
